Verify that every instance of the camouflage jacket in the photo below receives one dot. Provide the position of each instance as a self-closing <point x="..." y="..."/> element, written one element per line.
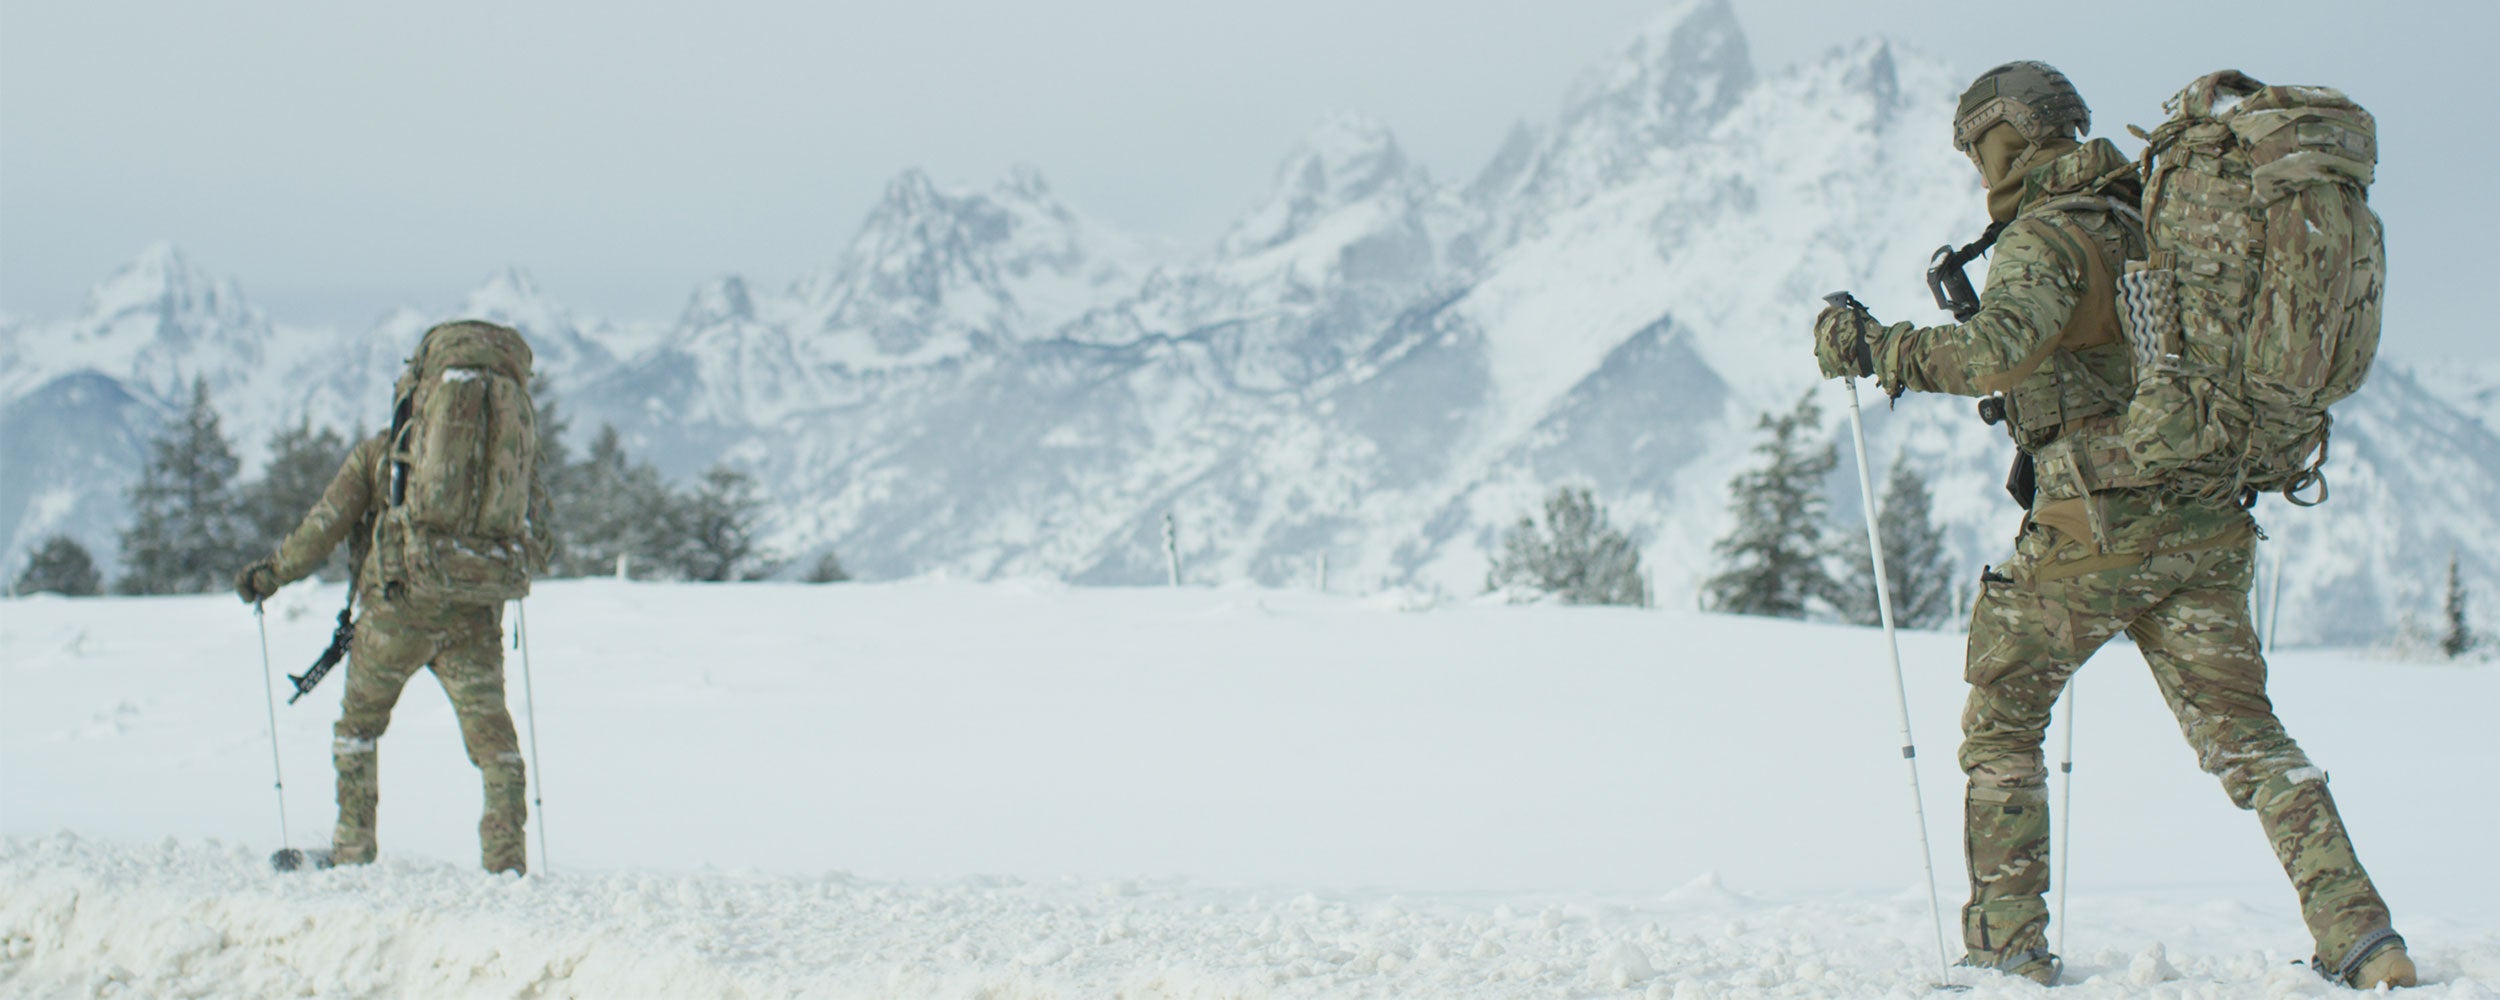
<point x="347" y="510"/>
<point x="2047" y="337"/>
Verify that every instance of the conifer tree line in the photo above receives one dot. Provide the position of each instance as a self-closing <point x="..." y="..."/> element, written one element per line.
<point x="195" y="521"/>
<point x="1789" y="556"/>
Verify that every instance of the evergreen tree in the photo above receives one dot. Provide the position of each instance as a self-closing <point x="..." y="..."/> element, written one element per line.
<point x="2460" y="638"/>
<point x="59" y="566"/>
<point x="553" y="457"/>
<point x="828" y="569"/>
<point x="1774" y="554"/>
<point x="1916" y="566"/>
<point x="717" y="525"/>
<point x="1575" y="554"/>
<point x="556" y="470"/>
<point x="302" y="461"/>
<point x="610" y="508"/>
<point x="187" y="534"/>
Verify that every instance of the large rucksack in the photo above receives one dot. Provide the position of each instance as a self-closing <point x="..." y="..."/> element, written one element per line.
<point x="462" y="457"/>
<point x="2259" y="305"/>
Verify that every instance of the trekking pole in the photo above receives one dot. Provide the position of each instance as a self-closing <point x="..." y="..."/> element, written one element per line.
<point x="538" y="765"/>
<point x="1892" y="641"/>
<point x="269" y="694"/>
<point x="2066" y="816"/>
<point x="2274" y="602"/>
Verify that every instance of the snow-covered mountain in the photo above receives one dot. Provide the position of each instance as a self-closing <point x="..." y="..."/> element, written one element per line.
<point x="1372" y="366"/>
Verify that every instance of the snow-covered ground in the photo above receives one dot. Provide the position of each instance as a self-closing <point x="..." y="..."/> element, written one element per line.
<point x="1011" y="790"/>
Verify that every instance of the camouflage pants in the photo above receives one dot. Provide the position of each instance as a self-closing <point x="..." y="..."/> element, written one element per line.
<point x="2188" y="614"/>
<point x="463" y="645"/>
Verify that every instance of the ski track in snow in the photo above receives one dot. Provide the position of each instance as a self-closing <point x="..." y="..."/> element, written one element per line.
<point x="1049" y="791"/>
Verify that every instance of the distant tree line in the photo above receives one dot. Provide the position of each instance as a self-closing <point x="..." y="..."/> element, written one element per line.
<point x="194" y="521"/>
<point x="1786" y="556"/>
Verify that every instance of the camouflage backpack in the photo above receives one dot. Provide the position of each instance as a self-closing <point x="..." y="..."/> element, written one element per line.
<point x="462" y="457"/>
<point x="2259" y="305"/>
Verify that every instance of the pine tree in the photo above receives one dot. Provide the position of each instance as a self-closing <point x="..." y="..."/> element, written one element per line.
<point x="59" y="566"/>
<point x="828" y="569"/>
<point x="556" y="471"/>
<point x="302" y="462"/>
<point x="187" y="533"/>
<point x="1574" y="554"/>
<point x="553" y="456"/>
<point x="1774" y="554"/>
<point x="1916" y="566"/>
<point x="608" y="507"/>
<point x="2460" y="638"/>
<point x="718" y="529"/>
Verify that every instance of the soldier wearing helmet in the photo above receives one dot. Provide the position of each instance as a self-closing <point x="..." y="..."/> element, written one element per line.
<point x="2102" y="551"/>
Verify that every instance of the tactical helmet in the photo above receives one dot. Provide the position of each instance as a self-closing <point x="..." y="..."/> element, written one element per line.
<point x="2031" y="96"/>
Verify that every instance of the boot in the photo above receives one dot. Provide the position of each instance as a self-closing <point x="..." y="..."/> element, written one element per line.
<point x="2389" y="967"/>
<point x="2380" y="960"/>
<point x="2010" y="936"/>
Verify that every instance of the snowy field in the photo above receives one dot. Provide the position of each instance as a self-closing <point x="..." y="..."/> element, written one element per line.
<point x="1023" y="790"/>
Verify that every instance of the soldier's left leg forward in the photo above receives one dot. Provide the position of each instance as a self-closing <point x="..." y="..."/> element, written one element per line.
<point x="2029" y="633"/>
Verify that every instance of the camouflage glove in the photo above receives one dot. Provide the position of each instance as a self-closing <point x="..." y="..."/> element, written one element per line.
<point x="256" y="583"/>
<point x="1840" y="345"/>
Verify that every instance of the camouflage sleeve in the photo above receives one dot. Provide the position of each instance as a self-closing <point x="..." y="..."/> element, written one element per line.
<point x="342" y="506"/>
<point x="2032" y="290"/>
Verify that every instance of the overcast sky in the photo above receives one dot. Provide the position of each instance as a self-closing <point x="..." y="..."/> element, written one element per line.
<point x="341" y="158"/>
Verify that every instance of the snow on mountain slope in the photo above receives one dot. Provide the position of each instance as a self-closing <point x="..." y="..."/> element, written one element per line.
<point x="157" y="323"/>
<point x="1370" y="368"/>
<point x="935" y="274"/>
<point x="844" y="791"/>
<point x="1675" y="79"/>
<point x="2470" y="386"/>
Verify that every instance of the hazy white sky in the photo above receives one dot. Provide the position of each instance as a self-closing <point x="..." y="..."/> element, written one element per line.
<point x="341" y="158"/>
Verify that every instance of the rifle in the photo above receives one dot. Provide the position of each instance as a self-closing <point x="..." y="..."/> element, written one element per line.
<point x="340" y="637"/>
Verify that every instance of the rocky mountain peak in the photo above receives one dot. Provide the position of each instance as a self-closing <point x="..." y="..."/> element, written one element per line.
<point x="161" y="285"/>
<point x="1666" y="88"/>
<point x="722" y="300"/>
<point x="1680" y="73"/>
<point x="1349" y="158"/>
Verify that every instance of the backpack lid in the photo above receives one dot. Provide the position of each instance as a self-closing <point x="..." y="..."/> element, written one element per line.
<point x="2197" y="99"/>
<point x="471" y="343"/>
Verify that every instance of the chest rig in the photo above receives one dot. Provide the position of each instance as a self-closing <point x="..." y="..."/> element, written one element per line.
<point x="2064" y="402"/>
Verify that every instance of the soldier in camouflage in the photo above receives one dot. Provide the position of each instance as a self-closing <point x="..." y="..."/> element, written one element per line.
<point x="2103" y="551"/>
<point x="396" y="635"/>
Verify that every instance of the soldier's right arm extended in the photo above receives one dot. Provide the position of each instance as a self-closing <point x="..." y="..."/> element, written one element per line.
<point x="2032" y="290"/>
<point x="342" y="506"/>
